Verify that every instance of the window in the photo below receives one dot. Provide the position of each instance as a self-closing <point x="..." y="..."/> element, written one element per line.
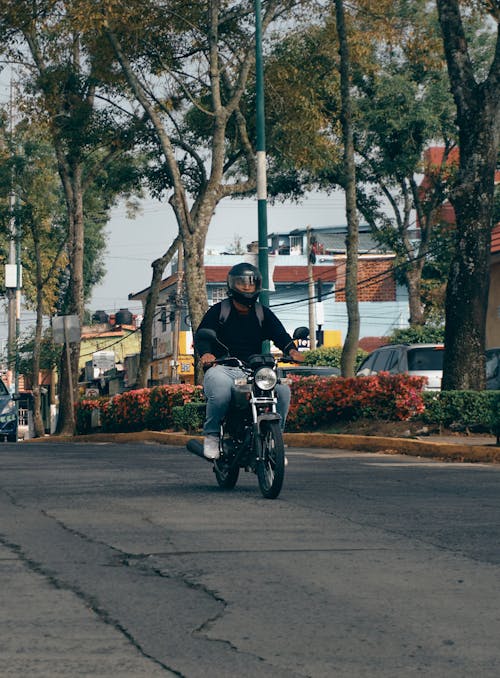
<point x="296" y="244"/>
<point x="424" y="359"/>
<point x="218" y="294"/>
<point x="393" y="361"/>
<point x="380" y="362"/>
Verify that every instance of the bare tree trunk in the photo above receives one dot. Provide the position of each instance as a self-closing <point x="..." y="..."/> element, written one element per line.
<point x="39" y="428"/>
<point x="478" y="117"/>
<point x="349" y="350"/>
<point x="68" y="383"/>
<point x="149" y="313"/>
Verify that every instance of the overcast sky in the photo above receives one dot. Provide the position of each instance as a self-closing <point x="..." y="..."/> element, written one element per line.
<point x="134" y="244"/>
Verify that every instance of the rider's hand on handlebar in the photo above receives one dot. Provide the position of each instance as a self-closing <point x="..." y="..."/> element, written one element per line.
<point x="207" y="360"/>
<point x="296" y="356"/>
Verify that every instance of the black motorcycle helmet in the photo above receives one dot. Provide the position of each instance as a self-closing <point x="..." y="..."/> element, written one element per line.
<point x="240" y="274"/>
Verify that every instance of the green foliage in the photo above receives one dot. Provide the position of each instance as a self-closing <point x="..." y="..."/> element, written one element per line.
<point x="83" y="414"/>
<point x="162" y="401"/>
<point x="463" y="409"/>
<point x="330" y="356"/>
<point x="189" y="417"/>
<point x="50" y="353"/>
<point x="418" y="334"/>
<point x="138" y="409"/>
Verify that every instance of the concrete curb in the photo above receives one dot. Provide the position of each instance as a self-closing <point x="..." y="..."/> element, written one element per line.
<point x="457" y="452"/>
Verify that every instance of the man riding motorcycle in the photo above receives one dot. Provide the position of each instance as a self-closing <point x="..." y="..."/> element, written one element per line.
<point x="242" y="333"/>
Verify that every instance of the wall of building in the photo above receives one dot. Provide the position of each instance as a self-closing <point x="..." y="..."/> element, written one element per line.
<point x="493" y="314"/>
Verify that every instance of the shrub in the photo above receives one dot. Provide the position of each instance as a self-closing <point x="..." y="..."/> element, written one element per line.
<point x="83" y="413"/>
<point x="330" y="356"/>
<point x="320" y="401"/>
<point x="419" y="334"/>
<point x="126" y="411"/>
<point x="462" y="408"/>
<point x="163" y="399"/>
<point x="189" y="417"/>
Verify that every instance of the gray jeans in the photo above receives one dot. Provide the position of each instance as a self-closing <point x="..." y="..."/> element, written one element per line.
<point x="218" y="385"/>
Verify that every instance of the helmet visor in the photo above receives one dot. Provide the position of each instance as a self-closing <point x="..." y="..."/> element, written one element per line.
<point x="241" y="282"/>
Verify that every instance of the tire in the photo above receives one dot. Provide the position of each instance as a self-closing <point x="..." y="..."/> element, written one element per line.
<point x="271" y="468"/>
<point x="226" y="476"/>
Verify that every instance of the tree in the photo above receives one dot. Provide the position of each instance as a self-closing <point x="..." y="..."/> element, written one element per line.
<point x="29" y="173"/>
<point x="400" y="105"/>
<point x="349" y="168"/>
<point x="158" y="267"/>
<point x="192" y="81"/>
<point x="62" y="75"/>
<point x="477" y="99"/>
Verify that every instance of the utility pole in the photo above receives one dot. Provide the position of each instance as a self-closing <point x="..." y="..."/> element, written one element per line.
<point x="311" y="295"/>
<point x="174" y="373"/>
<point x="261" y="157"/>
<point x="13" y="271"/>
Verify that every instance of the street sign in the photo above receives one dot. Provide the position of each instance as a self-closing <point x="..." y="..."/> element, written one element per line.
<point x="66" y="329"/>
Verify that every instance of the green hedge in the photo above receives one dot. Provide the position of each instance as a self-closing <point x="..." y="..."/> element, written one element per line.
<point x="467" y="409"/>
<point x="189" y="417"/>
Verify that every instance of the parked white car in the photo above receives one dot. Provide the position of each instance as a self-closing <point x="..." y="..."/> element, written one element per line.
<point x="423" y="360"/>
<point x="418" y="360"/>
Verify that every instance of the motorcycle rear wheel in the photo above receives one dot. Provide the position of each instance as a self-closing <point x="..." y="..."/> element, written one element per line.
<point x="225" y="473"/>
<point x="271" y="468"/>
<point x="226" y="476"/>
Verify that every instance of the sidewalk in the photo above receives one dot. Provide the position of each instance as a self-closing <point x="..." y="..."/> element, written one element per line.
<point x="450" y="448"/>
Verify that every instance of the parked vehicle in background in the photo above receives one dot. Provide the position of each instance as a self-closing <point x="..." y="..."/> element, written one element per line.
<point x="419" y="360"/>
<point x="423" y="360"/>
<point x="493" y="369"/>
<point x="309" y="371"/>
<point x="8" y="415"/>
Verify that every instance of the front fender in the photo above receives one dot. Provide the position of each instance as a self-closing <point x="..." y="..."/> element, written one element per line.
<point x="267" y="416"/>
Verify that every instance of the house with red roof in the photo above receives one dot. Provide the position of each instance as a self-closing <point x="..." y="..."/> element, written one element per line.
<point x="383" y="302"/>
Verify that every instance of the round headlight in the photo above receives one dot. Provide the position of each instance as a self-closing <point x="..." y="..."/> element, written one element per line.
<point x="266" y="378"/>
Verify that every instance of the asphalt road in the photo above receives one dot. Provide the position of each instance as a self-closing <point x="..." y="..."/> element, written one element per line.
<point x="127" y="560"/>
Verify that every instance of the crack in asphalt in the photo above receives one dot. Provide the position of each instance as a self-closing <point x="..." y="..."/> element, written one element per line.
<point x="138" y="562"/>
<point x="90" y="601"/>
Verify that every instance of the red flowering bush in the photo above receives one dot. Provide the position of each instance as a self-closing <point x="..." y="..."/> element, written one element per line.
<point x="162" y="401"/>
<point x="136" y="410"/>
<point x="83" y="413"/>
<point x="322" y="401"/>
<point x="126" y="411"/>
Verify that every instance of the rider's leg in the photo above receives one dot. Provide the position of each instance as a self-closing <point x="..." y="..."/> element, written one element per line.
<point x="283" y="404"/>
<point x="217" y="385"/>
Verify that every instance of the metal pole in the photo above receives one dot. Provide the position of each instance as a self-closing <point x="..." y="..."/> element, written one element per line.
<point x="312" y="318"/>
<point x="261" y="157"/>
<point x="70" y="374"/>
<point x="174" y="372"/>
<point x="18" y="304"/>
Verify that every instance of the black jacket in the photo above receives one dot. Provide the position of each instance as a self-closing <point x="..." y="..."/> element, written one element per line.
<point x="242" y="334"/>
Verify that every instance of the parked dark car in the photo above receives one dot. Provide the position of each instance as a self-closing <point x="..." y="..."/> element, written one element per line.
<point x="8" y="415"/>
<point x="309" y="371"/>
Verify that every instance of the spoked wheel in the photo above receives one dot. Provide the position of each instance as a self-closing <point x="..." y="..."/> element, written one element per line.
<point x="271" y="467"/>
<point x="226" y="475"/>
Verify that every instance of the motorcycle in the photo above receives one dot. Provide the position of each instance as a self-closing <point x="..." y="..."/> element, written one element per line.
<point x="250" y="437"/>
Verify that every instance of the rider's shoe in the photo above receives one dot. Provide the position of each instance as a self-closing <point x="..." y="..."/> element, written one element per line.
<point x="286" y="461"/>
<point x="211" y="447"/>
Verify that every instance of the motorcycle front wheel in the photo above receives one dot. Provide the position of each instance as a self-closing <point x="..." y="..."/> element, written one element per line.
<point x="271" y="465"/>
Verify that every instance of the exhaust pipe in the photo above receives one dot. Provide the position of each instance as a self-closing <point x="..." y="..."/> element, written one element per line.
<point x="196" y="447"/>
